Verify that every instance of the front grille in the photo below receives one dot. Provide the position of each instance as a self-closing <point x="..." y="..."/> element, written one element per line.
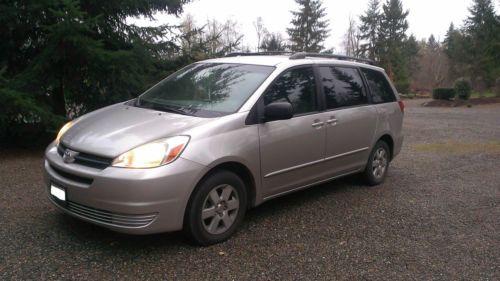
<point x="87" y="159"/>
<point x="72" y="177"/>
<point x="107" y="217"/>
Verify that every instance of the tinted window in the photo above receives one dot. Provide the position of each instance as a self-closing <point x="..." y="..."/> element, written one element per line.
<point x="206" y="89"/>
<point x="380" y="88"/>
<point x="295" y="86"/>
<point x="342" y="86"/>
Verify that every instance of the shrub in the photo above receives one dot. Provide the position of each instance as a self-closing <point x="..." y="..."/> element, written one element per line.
<point x="463" y="88"/>
<point x="443" y="93"/>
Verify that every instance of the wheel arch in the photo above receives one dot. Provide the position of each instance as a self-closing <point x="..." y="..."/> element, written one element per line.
<point x="239" y="169"/>
<point x="387" y="138"/>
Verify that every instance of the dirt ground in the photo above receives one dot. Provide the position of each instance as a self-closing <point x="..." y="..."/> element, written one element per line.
<point x="437" y="217"/>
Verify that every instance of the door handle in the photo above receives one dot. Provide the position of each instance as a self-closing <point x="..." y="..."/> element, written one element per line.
<point x="317" y="124"/>
<point x="332" y="121"/>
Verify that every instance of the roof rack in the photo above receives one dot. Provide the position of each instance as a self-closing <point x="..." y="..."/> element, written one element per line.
<point x="271" y="53"/>
<point x="303" y="55"/>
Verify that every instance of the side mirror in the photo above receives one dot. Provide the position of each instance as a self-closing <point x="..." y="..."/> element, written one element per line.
<point x="278" y="111"/>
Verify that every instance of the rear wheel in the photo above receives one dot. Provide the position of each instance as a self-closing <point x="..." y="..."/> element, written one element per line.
<point x="378" y="164"/>
<point x="216" y="208"/>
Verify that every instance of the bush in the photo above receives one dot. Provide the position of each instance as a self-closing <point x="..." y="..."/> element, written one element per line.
<point x="443" y="93"/>
<point x="463" y="88"/>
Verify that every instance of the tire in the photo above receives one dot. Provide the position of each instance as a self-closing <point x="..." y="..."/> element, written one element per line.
<point x="216" y="208"/>
<point x="378" y="164"/>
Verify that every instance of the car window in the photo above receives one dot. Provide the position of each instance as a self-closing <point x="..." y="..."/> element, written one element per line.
<point x="380" y="88"/>
<point x="296" y="86"/>
<point x="206" y="89"/>
<point x="342" y="86"/>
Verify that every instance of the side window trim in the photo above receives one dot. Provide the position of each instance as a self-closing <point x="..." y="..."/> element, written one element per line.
<point x="366" y="86"/>
<point x="322" y="93"/>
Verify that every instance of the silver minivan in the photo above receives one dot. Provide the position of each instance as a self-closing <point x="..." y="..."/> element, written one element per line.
<point x="220" y="136"/>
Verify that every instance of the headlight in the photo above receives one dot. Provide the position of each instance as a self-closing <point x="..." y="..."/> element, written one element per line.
<point x="63" y="130"/>
<point x="153" y="154"/>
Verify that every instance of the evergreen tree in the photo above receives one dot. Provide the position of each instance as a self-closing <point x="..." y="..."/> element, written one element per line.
<point x="411" y="50"/>
<point x="392" y="41"/>
<point x="432" y="43"/>
<point x="369" y="28"/>
<point x="482" y="28"/>
<point x="456" y="49"/>
<point x="309" y="27"/>
<point x="61" y="58"/>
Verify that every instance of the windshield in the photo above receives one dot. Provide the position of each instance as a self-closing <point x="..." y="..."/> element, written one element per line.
<point x="206" y="89"/>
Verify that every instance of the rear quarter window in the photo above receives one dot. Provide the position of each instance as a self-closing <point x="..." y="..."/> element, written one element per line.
<point x="380" y="89"/>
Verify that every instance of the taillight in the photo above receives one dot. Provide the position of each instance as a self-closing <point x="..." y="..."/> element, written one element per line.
<point x="401" y="106"/>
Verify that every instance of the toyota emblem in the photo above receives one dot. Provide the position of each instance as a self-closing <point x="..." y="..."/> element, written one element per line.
<point x="69" y="156"/>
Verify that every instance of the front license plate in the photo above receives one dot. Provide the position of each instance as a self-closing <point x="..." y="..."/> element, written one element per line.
<point x="58" y="192"/>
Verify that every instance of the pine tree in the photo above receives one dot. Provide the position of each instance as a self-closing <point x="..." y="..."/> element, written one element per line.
<point x="309" y="27"/>
<point x="62" y="58"/>
<point x="410" y="51"/>
<point x="482" y="28"/>
<point x="456" y="49"/>
<point x="369" y="28"/>
<point x="392" y="41"/>
<point x="432" y="43"/>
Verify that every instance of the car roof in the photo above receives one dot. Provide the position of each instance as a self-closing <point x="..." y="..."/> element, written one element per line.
<point x="284" y="61"/>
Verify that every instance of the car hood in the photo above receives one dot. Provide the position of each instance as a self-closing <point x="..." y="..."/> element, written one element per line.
<point x="116" y="129"/>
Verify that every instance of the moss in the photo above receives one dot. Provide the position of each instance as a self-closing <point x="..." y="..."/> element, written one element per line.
<point x="459" y="147"/>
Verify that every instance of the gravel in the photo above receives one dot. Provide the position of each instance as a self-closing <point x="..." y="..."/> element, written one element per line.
<point x="436" y="217"/>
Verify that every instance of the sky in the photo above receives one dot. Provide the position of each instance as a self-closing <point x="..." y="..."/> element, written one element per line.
<point x="426" y="16"/>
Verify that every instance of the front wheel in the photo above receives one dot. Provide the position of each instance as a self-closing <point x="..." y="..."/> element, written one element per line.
<point x="378" y="164"/>
<point x="216" y="208"/>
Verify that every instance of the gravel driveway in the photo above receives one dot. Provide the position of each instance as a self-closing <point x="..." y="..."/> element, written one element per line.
<point x="436" y="217"/>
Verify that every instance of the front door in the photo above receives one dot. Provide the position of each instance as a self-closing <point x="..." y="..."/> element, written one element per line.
<point x="291" y="151"/>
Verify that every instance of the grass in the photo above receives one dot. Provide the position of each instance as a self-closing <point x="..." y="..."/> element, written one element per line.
<point x="487" y="94"/>
<point x="459" y="147"/>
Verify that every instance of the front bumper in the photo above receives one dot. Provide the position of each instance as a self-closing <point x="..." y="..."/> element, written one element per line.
<point x="135" y="201"/>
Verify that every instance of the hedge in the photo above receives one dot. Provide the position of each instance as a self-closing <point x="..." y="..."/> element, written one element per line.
<point x="443" y="93"/>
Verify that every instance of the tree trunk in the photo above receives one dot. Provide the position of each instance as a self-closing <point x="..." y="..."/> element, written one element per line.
<point x="58" y="101"/>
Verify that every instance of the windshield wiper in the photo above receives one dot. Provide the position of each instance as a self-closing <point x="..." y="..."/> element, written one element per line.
<point x="167" y="108"/>
<point x="163" y="107"/>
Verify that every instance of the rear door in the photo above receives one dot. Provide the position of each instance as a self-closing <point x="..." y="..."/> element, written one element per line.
<point x="291" y="149"/>
<point x="384" y="99"/>
<point x="350" y="119"/>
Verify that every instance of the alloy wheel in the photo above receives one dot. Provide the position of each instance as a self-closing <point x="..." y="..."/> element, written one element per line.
<point x="379" y="163"/>
<point x="220" y="209"/>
